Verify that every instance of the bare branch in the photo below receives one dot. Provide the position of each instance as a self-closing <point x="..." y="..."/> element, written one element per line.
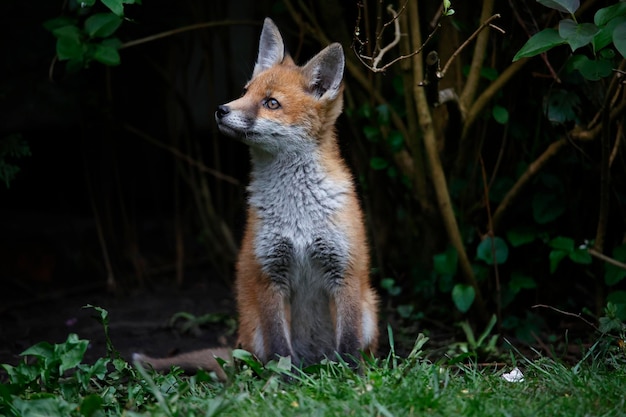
<point x="468" y="40"/>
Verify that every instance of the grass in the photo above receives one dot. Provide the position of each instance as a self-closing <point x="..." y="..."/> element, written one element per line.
<point x="59" y="384"/>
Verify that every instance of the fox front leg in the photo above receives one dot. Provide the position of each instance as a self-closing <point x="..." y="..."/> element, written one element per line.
<point x="332" y="257"/>
<point x="276" y="265"/>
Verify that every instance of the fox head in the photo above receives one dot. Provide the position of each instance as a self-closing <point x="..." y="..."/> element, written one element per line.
<point x="285" y="107"/>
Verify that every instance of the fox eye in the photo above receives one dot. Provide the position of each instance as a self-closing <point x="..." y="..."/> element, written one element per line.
<point x="271" y="103"/>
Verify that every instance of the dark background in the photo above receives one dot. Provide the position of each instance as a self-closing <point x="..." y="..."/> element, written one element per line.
<point x="108" y="210"/>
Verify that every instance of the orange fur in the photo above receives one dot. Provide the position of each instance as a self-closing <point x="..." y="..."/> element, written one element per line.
<point x="302" y="276"/>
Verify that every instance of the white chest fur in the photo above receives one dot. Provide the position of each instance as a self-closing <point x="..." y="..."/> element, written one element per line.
<point x="295" y="201"/>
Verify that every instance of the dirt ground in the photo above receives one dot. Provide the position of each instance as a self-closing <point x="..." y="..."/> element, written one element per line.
<point x="138" y="319"/>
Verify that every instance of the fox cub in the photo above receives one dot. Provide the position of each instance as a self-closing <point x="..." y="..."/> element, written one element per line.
<point x="302" y="276"/>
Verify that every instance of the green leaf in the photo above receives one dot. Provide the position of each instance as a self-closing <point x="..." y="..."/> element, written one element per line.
<point x="547" y="207"/>
<point x="90" y="404"/>
<point x="40" y="350"/>
<point x="493" y="246"/>
<point x="446" y="263"/>
<point x="540" y="42"/>
<point x="249" y="360"/>
<point x="69" y="48"/>
<point x="463" y="296"/>
<point x="59" y="22"/>
<point x="577" y="34"/>
<point x="619" y="38"/>
<point x="500" y="114"/>
<point x="561" y="106"/>
<point x="606" y="14"/>
<point x="405" y="310"/>
<point x="102" y="25"/>
<point x="563" y="243"/>
<point x="520" y="281"/>
<point x="580" y="256"/>
<point x="377" y="163"/>
<point x="71" y="352"/>
<point x="614" y="274"/>
<point x="593" y="70"/>
<point x="38" y="407"/>
<point x="556" y="256"/>
<point x="106" y="55"/>
<point x="521" y="236"/>
<point x="565" y="6"/>
<point x="605" y="35"/>
<point x="115" y="6"/>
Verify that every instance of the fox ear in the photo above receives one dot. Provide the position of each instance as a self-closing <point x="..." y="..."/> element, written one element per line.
<point x="271" y="47"/>
<point x="325" y="71"/>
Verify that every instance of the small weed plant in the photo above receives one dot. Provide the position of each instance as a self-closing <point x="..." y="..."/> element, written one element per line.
<point x="54" y="381"/>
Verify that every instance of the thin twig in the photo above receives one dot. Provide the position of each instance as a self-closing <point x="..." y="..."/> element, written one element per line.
<point x="177" y="153"/>
<point x="187" y="28"/>
<point x="376" y="59"/>
<point x="605" y="258"/>
<point x="493" y="243"/>
<point x="468" y="40"/>
<point x="396" y="37"/>
<point x="567" y="313"/>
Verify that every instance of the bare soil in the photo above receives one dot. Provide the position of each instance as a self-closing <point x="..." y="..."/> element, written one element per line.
<point x="139" y="320"/>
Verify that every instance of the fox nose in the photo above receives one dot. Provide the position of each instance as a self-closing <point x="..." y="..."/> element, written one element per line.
<point x="222" y="111"/>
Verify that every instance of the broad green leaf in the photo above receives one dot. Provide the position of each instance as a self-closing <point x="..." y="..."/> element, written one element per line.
<point x="115" y="6"/>
<point x="540" y="42"/>
<point x="604" y="36"/>
<point x="50" y="406"/>
<point x="69" y="43"/>
<point x="520" y="281"/>
<point x="71" y="352"/>
<point x="619" y="38"/>
<point x="105" y="54"/>
<point x="377" y="163"/>
<point x="563" y="243"/>
<point x="547" y="207"/>
<point x="102" y="25"/>
<point x="463" y="297"/>
<point x="580" y="256"/>
<point x="606" y="14"/>
<point x="41" y="350"/>
<point x="59" y="22"/>
<point x="90" y="404"/>
<point x="577" y="34"/>
<point x="616" y="297"/>
<point x="68" y="31"/>
<point x="405" y="310"/>
<point x="521" y="236"/>
<point x="614" y="274"/>
<point x="500" y="114"/>
<point x="594" y="70"/>
<point x="556" y="256"/>
<point x="562" y="106"/>
<point x="445" y="263"/>
<point x="565" y="6"/>
<point x="493" y="250"/>
<point x="248" y="359"/>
